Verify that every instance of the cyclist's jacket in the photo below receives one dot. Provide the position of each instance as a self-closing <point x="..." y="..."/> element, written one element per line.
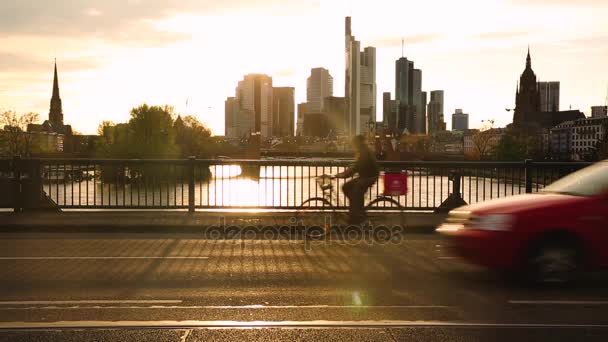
<point x="365" y="166"/>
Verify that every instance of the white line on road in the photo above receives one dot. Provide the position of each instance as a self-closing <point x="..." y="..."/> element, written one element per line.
<point x="279" y="324"/>
<point x="224" y="307"/>
<point x="94" y="301"/>
<point x="560" y="302"/>
<point x="101" y="257"/>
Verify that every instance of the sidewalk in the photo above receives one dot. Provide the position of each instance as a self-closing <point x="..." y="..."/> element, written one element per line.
<point x="184" y="222"/>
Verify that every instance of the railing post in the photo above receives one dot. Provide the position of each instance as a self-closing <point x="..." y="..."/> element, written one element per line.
<point x="17" y="184"/>
<point x="528" y="175"/>
<point x="191" y="165"/>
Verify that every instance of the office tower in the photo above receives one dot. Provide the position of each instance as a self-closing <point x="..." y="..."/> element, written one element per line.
<point x="319" y="85"/>
<point x="389" y="112"/>
<point x="435" y="111"/>
<point x="334" y="109"/>
<point x="599" y="111"/>
<point x="460" y="121"/>
<point x="422" y="120"/>
<point x="283" y="111"/>
<point x="254" y="93"/>
<point x="231" y="110"/>
<point x="549" y="96"/>
<point x="359" y="83"/>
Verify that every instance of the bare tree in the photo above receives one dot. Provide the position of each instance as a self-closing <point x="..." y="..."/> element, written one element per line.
<point x="18" y="140"/>
<point x="482" y="140"/>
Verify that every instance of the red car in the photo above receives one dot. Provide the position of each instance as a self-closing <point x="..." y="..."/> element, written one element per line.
<point x="550" y="235"/>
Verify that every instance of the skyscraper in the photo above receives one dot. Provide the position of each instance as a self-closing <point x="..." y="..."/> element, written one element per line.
<point x="460" y="121"/>
<point x="319" y="85"/>
<point x="435" y="111"/>
<point x="411" y="102"/>
<point x="389" y="112"/>
<point x="250" y="111"/>
<point x="549" y="96"/>
<point x="359" y="83"/>
<point x="231" y="111"/>
<point x="283" y="111"/>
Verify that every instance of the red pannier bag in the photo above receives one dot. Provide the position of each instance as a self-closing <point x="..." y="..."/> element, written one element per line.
<point x="395" y="184"/>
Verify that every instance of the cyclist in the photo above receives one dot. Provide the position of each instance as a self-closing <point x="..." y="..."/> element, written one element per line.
<point x="366" y="169"/>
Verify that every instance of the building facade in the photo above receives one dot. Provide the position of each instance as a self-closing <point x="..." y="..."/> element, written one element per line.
<point x="250" y="111"/>
<point x="549" y="96"/>
<point x="435" y="112"/>
<point x="360" y="83"/>
<point x="319" y="85"/>
<point x="460" y="121"/>
<point x="599" y="111"/>
<point x="283" y="111"/>
<point x="527" y="96"/>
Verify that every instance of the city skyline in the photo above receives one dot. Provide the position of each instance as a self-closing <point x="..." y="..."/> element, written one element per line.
<point x="104" y="74"/>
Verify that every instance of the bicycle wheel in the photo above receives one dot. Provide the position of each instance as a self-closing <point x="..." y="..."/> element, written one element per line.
<point x="389" y="204"/>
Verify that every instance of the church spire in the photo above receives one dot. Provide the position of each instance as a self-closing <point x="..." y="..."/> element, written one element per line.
<point x="55" y="83"/>
<point x="56" y="112"/>
<point x="528" y="59"/>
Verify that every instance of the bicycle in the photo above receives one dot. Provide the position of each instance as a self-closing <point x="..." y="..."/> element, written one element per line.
<point x="328" y="202"/>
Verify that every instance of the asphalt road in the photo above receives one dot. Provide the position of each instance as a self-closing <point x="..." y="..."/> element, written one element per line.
<point x="167" y="287"/>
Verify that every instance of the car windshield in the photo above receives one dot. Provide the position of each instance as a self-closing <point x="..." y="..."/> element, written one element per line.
<point x="590" y="181"/>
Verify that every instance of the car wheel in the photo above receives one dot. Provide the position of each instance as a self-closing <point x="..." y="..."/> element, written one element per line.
<point x="554" y="263"/>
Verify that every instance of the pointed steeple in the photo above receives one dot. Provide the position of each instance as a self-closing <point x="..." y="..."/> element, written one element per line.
<point x="56" y="111"/>
<point x="55" y="83"/>
<point x="528" y="60"/>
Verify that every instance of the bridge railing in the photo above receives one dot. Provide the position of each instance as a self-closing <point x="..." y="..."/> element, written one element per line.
<point x="191" y="184"/>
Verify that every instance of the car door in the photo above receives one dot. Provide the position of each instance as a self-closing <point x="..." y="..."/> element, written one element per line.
<point x="595" y="217"/>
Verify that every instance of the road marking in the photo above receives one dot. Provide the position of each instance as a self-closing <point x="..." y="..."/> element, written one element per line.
<point x="560" y="302"/>
<point x="101" y="257"/>
<point x="224" y="307"/>
<point x="447" y="257"/>
<point x="277" y="324"/>
<point x="93" y="301"/>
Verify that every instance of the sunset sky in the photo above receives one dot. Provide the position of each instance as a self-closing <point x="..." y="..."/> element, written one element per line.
<point x="116" y="54"/>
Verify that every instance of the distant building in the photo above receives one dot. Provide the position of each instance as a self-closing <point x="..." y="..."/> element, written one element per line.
<point x="231" y="112"/>
<point x="389" y="112"/>
<point x="460" y="121"/>
<point x="599" y="111"/>
<point x="300" y="119"/>
<point x="561" y="140"/>
<point x="447" y="142"/>
<point x="360" y="83"/>
<point x="527" y="96"/>
<point x="283" y="111"/>
<point x="411" y="102"/>
<point x="586" y="135"/>
<point x="549" y="96"/>
<point x="54" y="124"/>
<point x="334" y="110"/>
<point x="319" y="85"/>
<point x="254" y="106"/>
<point x="578" y="139"/>
<point x="435" y="112"/>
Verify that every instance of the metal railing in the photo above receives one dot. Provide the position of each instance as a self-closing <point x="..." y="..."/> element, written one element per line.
<point x="268" y="184"/>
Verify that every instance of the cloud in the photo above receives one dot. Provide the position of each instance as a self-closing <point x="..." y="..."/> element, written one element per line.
<point x="389" y="42"/>
<point x="15" y="62"/>
<point x="564" y="3"/>
<point x="501" y="35"/>
<point x="109" y="18"/>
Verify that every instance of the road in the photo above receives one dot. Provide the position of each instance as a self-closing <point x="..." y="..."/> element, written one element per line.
<point x="168" y="287"/>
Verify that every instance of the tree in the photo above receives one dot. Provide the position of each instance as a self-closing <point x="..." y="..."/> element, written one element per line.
<point x="483" y="140"/>
<point x="150" y="133"/>
<point x="510" y="148"/>
<point x="193" y="138"/>
<point x="16" y="138"/>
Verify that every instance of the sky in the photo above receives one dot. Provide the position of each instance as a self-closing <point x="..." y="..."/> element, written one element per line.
<point x="113" y="55"/>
